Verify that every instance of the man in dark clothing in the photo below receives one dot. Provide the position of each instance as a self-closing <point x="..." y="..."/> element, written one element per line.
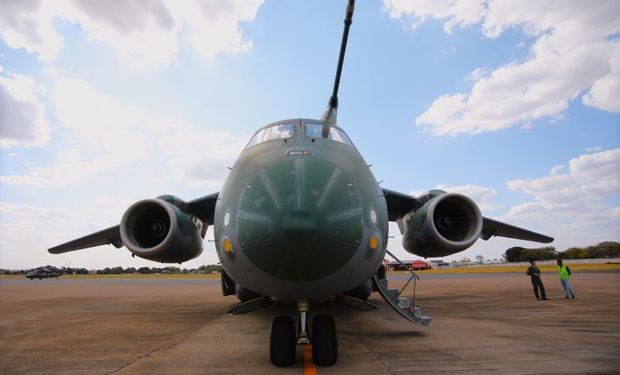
<point x="537" y="283"/>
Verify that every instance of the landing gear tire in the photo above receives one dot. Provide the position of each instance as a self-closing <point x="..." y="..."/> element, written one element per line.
<point x="283" y="342"/>
<point x="324" y="341"/>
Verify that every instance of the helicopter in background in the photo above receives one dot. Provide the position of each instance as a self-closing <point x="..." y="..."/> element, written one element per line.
<point x="45" y="272"/>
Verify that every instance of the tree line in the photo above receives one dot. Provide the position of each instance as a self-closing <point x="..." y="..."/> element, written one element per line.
<point x="606" y="249"/>
<point x="602" y="250"/>
<point x="211" y="268"/>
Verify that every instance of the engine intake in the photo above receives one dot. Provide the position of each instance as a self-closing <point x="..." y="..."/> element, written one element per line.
<point x="157" y="230"/>
<point x="446" y="224"/>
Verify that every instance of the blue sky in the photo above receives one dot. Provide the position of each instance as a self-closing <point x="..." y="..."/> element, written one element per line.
<point x="104" y="103"/>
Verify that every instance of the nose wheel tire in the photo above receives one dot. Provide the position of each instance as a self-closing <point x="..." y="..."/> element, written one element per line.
<point x="283" y="341"/>
<point x="324" y="341"/>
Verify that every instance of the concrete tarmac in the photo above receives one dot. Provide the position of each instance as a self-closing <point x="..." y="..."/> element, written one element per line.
<point x="481" y="324"/>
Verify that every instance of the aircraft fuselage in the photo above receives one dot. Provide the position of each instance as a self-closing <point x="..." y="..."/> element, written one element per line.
<point x="300" y="216"/>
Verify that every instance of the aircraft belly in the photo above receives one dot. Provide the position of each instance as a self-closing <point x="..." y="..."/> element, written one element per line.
<point x="357" y="270"/>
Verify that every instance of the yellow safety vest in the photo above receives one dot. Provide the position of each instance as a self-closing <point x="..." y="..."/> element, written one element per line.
<point x="563" y="272"/>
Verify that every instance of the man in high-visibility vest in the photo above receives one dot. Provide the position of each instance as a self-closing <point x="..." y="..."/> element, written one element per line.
<point x="564" y="273"/>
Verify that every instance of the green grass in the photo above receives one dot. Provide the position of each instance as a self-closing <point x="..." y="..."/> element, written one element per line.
<point x="577" y="267"/>
<point x="129" y="276"/>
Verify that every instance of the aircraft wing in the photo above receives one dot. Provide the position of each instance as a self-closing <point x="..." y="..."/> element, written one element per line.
<point x="202" y="208"/>
<point x="110" y="236"/>
<point x="399" y="204"/>
<point x="492" y="228"/>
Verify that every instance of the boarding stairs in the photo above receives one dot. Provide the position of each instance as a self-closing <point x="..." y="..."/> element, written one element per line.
<point x="404" y="306"/>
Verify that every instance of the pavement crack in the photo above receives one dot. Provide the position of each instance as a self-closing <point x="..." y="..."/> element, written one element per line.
<point x="168" y="345"/>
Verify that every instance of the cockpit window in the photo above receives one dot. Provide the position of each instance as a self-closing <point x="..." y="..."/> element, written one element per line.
<point x="328" y="132"/>
<point x="278" y="131"/>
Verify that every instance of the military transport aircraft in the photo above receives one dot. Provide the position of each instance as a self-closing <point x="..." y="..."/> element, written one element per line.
<point x="301" y="219"/>
<point x="45" y="272"/>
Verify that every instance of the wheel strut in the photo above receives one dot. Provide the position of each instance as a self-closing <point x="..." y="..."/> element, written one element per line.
<point x="302" y="307"/>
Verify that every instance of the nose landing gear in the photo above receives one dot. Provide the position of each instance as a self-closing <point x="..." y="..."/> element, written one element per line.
<point x="285" y="338"/>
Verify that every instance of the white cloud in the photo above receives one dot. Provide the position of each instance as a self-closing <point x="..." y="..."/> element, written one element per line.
<point x="557" y="169"/>
<point x="214" y="25"/>
<point x="27" y="24"/>
<point x="589" y="177"/>
<point x="604" y="91"/>
<point x="19" y="222"/>
<point x="69" y="169"/>
<point x="574" y="54"/>
<point x="103" y="121"/>
<point x="479" y="194"/>
<point x="144" y="33"/>
<point x="573" y="199"/>
<point x="22" y="116"/>
<point x="593" y="149"/>
<point x="106" y="135"/>
<point x="201" y="158"/>
<point x="454" y="12"/>
<point x="576" y="203"/>
<point x="476" y="74"/>
<point x="27" y="231"/>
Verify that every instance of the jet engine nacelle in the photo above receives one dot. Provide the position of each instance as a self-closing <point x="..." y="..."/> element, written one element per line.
<point x="445" y="224"/>
<point x="156" y="229"/>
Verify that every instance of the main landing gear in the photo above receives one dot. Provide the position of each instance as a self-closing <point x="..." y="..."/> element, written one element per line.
<point x="285" y="337"/>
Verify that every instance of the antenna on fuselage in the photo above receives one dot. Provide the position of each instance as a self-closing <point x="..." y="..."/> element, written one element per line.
<point x="330" y="113"/>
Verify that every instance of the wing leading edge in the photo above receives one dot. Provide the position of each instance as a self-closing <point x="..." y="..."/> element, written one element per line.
<point x="109" y="236"/>
<point x="492" y="228"/>
<point x="400" y="204"/>
<point x="202" y="208"/>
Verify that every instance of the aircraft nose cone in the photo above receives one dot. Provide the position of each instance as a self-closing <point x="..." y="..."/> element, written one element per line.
<point x="300" y="219"/>
<point x="299" y="226"/>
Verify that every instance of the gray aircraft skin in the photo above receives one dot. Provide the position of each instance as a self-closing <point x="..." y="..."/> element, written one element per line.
<point x="301" y="219"/>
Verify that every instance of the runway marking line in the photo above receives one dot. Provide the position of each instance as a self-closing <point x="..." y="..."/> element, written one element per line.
<point x="309" y="368"/>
